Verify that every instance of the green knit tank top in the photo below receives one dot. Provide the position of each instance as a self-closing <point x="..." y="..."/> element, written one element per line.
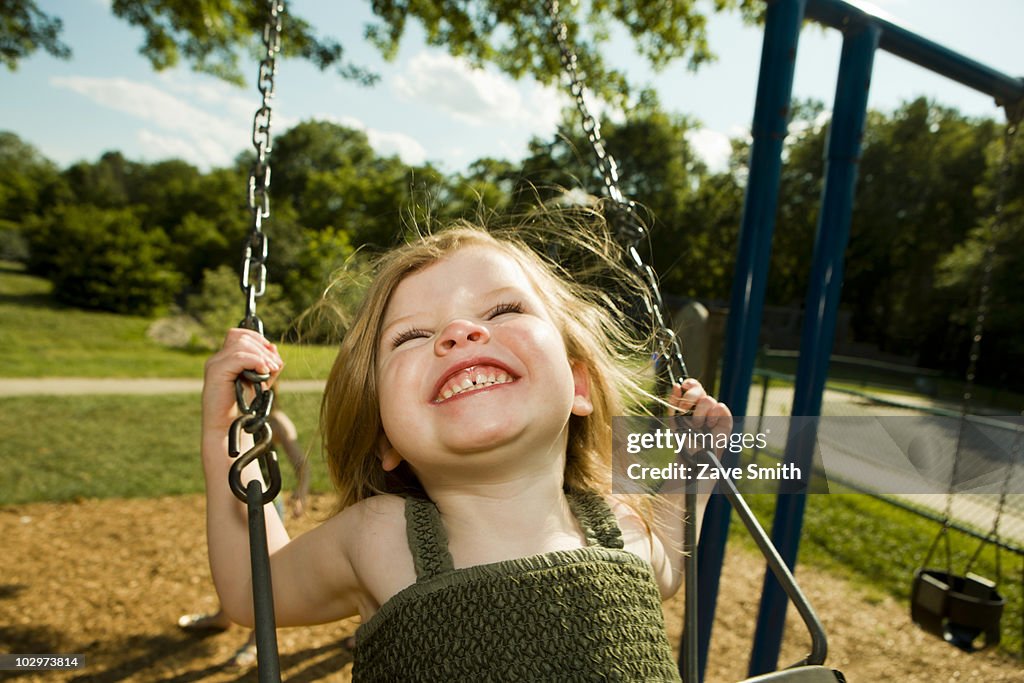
<point x="589" y="614"/>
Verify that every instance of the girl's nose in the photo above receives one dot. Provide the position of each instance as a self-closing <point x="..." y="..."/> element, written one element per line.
<point x="459" y="333"/>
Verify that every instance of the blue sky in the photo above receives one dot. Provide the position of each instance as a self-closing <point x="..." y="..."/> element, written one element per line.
<point x="430" y="106"/>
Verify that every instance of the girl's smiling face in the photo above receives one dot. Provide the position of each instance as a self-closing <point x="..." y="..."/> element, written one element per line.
<point x="470" y="361"/>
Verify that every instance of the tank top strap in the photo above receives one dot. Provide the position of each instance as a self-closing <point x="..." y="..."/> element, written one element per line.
<point x="596" y="518"/>
<point x="428" y="540"/>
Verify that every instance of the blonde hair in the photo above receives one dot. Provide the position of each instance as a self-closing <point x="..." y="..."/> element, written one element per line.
<point x="584" y="306"/>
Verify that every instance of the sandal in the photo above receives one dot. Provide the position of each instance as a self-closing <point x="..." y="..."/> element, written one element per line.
<point x="201" y="623"/>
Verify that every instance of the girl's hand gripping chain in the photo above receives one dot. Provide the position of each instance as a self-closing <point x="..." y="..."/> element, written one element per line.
<point x="242" y="350"/>
<point x="228" y="534"/>
<point x="699" y="412"/>
<point x="707" y="413"/>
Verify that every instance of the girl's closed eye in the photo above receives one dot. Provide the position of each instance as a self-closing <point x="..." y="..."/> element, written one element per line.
<point x="415" y="333"/>
<point x="501" y="309"/>
<point x="408" y="335"/>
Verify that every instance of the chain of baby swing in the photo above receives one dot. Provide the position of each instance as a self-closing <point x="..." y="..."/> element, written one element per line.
<point x="628" y="226"/>
<point x="253" y="280"/>
<point x="1014" y="114"/>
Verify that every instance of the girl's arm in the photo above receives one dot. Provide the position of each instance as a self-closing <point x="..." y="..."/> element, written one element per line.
<point x="313" y="581"/>
<point x="667" y="539"/>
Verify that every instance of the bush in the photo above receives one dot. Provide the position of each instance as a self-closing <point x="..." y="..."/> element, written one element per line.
<point x="220" y="305"/>
<point x="103" y="259"/>
<point x="13" y="245"/>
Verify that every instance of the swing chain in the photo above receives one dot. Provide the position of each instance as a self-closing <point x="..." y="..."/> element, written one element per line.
<point x="622" y="213"/>
<point x="1014" y="115"/>
<point x="605" y="162"/>
<point x="1013" y="118"/>
<point x="254" y="268"/>
<point x="1009" y="134"/>
<point x="255" y="412"/>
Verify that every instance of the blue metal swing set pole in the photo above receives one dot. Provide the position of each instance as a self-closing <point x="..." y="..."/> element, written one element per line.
<point x="864" y="32"/>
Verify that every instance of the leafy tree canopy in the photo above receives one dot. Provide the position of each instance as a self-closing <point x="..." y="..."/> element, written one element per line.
<point x="212" y="35"/>
<point x="24" y="29"/>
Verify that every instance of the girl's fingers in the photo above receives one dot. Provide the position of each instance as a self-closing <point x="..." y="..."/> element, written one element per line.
<point x="245" y="350"/>
<point x="709" y="413"/>
<point x="719" y="417"/>
<point x="685" y="396"/>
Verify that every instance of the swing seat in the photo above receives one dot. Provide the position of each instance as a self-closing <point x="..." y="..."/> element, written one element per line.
<point x="800" y="674"/>
<point x="956" y="608"/>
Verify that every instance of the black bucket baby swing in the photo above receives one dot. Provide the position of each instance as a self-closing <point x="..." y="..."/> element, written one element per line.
<point x="965" y="609"/>
<point x="254" y="400"/>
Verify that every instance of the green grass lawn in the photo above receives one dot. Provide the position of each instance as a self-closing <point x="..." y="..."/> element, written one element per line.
<point x="41" y="338"/>
<point x="119" y="446"/>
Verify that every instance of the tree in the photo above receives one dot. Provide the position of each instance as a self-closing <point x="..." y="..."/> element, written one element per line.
<point x="101" y="258"/>
<point x="29" y="185"/>
<point x="106" y="183"/>
<point x="27" y="178"/>
<point x="691" y="243"/>
<point x="333" y="178"/>
<point x="24" y="29"/>
<point x="914" y="202"/>
<point x="960" y="273"/>
<point x="799" y="200"/>
<point x="486" y="186"/>
<point x="210" y="34"/>
<point x="203" y="216"/>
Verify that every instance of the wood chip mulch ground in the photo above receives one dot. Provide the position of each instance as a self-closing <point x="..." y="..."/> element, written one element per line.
<point x="108" y="579"/>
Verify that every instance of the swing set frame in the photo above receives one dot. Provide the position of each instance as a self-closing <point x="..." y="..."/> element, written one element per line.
<point x="864" y="33"/>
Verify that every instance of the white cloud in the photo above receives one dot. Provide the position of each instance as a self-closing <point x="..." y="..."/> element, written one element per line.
<point x="207" y="91"/>
<point x="201" y="151"/>
<point x="711" y="146"/>
<point x="181" y="128"/>
<point x="387" y="143"/>
<point x="384" y="142"/>
<point x="477" y="96"/>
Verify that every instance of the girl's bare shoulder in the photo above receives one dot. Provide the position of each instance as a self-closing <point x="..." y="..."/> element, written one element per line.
<point x="636" y="532"/>
<point x="373" y="517"/>
<point x="379" y="548"/>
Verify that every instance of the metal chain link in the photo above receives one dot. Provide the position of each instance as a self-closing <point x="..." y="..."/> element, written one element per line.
<point x="254" y="268"/>
<point x="1014" y="114"/>
<point x="628" y="226"/>
<point x="254" y="413"/>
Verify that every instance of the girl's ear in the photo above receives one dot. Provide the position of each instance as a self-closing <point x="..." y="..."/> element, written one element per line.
<point x="581" y="404"/>
<point x="389" y="457"/>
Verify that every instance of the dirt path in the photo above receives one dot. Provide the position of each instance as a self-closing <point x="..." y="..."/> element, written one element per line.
<point x="108" y="579"/>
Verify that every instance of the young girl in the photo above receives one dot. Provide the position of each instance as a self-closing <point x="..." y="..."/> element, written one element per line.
<point x="467" y="425"/>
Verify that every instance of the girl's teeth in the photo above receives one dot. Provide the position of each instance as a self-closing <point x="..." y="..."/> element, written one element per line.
<point x="479" y="381"/>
